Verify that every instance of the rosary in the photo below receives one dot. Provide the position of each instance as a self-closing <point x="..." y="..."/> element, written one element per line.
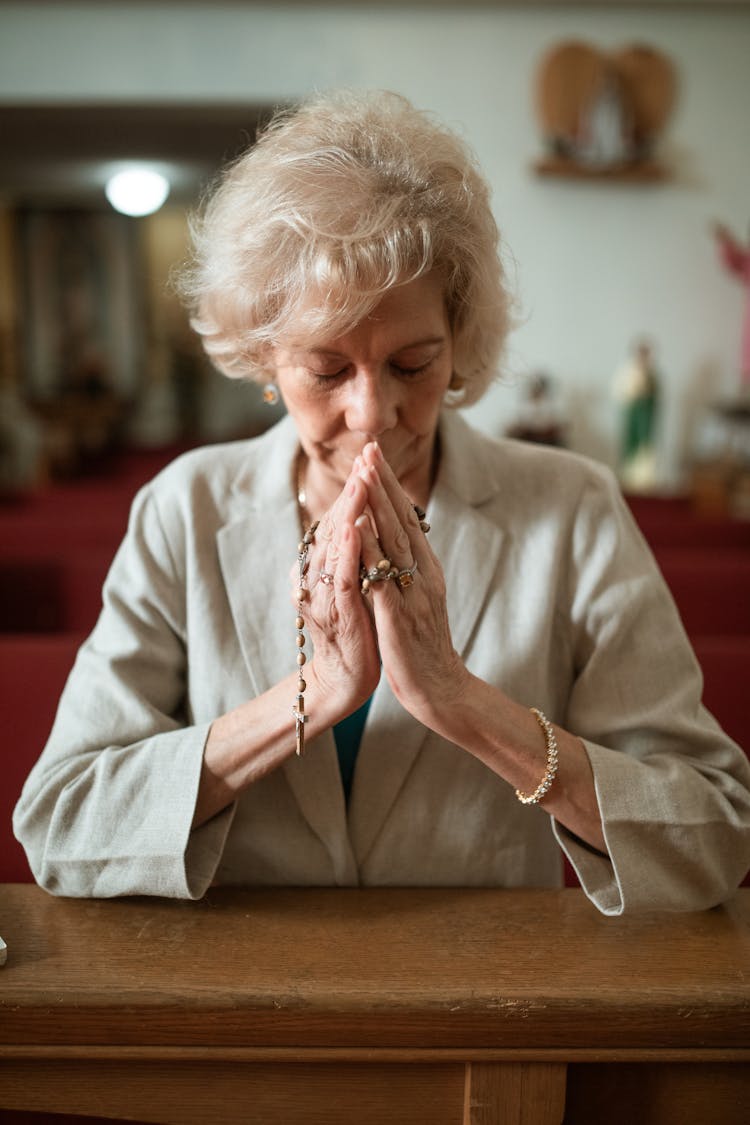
<point x="298" y="710"/>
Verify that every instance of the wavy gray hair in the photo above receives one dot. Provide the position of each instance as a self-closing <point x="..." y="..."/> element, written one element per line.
<point x="338" y="201"/>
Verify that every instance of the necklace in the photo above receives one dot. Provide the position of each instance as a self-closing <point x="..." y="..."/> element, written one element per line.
<point x="304" y="515"/>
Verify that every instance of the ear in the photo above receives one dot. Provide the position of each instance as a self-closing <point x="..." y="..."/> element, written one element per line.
<point x="456" y="391"/>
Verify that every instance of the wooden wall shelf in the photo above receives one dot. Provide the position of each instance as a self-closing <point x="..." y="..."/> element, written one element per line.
<point x="645" y="172"/>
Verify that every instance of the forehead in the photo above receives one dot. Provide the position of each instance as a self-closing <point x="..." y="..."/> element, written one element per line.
<point x="407" y="315"/>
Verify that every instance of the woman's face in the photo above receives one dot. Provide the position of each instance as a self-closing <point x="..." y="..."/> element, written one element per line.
<point x="383" y="381"/>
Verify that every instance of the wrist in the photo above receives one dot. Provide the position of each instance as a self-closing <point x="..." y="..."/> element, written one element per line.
<point x="442" y="699"/>
<point x="328" y="702"/>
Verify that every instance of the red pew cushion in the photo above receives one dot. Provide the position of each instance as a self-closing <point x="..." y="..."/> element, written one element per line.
<point x="33" y="670"/>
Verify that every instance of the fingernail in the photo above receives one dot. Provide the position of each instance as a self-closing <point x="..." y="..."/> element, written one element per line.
<point x="361" y="521"/>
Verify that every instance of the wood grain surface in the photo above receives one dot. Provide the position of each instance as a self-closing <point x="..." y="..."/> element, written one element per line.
<point x="421" y="1007"/>
<point x="360" y="969"/>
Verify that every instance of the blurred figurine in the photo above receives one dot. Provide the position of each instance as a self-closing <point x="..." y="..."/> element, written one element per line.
<point x="539" y="418"/>
<point x="21" y="445"/>
<point x="637" y="388"/>
<point x="736" y="258"/>
<point x="604" y="136"/>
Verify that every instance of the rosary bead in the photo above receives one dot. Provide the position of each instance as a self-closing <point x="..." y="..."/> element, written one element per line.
<point x="300" y="718"/>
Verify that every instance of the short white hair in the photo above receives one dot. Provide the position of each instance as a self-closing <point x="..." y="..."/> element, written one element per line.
<point x="338" y="201"/>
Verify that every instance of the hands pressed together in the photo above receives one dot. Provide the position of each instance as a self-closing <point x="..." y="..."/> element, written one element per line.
<point x="403" y="624"/>
<point x="400" y="628"/>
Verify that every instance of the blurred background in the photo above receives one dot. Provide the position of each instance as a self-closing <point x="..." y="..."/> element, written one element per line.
<point x="615" y="138"/>
<point x="95" y="344"/>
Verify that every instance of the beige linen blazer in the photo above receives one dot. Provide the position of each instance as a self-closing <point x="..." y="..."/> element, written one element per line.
<point x="553" y="596"/>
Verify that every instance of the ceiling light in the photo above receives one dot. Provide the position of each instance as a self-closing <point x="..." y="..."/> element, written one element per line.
<point x="137" y="191"/>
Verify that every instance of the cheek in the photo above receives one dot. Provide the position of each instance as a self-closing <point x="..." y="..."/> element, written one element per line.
<point x="314" y="416"/>
<point x="424" y="407"/>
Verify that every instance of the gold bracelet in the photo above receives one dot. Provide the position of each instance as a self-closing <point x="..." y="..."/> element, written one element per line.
<point x="549" y="774"/>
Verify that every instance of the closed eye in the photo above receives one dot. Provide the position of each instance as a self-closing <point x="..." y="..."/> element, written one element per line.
<point x="327" y="374"/>
<point x="402" y="369"/>
<point x="399" y="368"/>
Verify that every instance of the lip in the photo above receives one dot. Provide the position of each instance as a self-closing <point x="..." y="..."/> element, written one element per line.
<point x="333" y="453"/>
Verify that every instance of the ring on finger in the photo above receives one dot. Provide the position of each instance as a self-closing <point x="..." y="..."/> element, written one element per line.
<point x="380" y="573"/>
<point x="405" y="577"/>
<point x="384" y="572"/>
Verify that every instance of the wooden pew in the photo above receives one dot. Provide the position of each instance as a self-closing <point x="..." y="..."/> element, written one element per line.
<point x="60" y="593"/>
<point x="711" y="587"/>
<point x="33" y="670"/>
<point x="366" y="1007"/>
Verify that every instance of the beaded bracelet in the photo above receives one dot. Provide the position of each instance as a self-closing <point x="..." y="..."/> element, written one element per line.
<point x="298" y="710"/>
<point x="549" y="774"/>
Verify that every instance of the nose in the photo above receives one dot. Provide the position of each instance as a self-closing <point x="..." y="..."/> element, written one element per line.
<point x="372" y="405"/>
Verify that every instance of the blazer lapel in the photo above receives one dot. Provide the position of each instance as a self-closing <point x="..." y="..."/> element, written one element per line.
<point x="259" y="589"/>
<point x="262" y="532"/>
<point x="263" y="529"/>
<point x="469" y="548"/>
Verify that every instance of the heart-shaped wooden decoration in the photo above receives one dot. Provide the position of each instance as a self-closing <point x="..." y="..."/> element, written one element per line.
<point x="601" y="108"/>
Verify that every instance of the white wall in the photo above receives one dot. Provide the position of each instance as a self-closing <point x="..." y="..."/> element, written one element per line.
<point x="596" y="265"/>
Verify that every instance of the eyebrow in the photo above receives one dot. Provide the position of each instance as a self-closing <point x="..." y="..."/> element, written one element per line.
<point x="329" y="353"/>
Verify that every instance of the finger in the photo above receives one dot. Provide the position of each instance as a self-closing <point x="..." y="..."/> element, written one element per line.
<point x="346" y="575"/>
<point x="349" y="504"/>
<point x="371" y="554"/>
<point x="370" y="548"/>
<point x="341" y="560"/>
<point x="379" y="570"/>
<point x="397" y="526"/>
<point x="403" y="507"/>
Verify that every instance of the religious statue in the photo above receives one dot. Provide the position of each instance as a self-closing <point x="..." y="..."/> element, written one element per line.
<point x="637" y="388"/>
<point x="736" y="258"/>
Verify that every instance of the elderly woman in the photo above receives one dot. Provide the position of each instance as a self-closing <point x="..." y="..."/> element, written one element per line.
<point x="466" y="704"/>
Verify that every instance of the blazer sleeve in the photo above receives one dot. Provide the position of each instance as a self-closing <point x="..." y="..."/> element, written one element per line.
<point x="673" y="788"/>
<point x="107" y="808"/>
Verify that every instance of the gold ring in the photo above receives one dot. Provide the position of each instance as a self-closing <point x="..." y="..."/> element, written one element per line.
<point x="406" y="577"/>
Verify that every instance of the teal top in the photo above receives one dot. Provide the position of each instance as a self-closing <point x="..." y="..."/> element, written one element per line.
<point x="348" y="735"/>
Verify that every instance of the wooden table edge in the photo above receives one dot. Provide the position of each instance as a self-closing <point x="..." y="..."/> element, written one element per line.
<point x="376" y="1055"/>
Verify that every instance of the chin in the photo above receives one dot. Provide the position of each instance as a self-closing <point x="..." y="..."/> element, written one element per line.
<point x="404" y="457"/>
